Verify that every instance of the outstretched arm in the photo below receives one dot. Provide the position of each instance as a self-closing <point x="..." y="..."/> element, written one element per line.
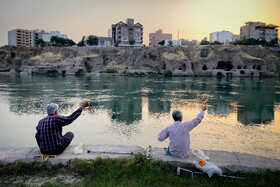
<point x="193" y="123"/>
<point x="66" y="120"/>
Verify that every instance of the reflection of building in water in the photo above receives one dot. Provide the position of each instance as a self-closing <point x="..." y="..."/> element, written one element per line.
<point x="255" y="115"/>
<point x="159" y="106"/>
<point x="256" y="102"/>
<point x="219" y="108"/>
<point x="126" y="109"/>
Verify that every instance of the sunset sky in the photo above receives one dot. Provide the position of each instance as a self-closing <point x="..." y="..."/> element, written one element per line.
<point x="194" y="19"/>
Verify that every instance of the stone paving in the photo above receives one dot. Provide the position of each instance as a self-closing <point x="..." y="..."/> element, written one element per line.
<point x="233" y="161"/>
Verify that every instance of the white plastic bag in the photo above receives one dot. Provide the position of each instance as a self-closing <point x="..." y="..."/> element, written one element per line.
<point x="78" y="149"/>
<point x="199" y="154"/>
<point x="208" y="168"/>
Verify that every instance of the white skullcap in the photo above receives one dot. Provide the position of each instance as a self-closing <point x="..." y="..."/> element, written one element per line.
<point x="51" y="108"/>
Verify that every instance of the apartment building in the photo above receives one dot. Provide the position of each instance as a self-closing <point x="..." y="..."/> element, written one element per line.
<point x="259" y="30"/>
<point x="155" y="38"/>
<point x="124" y="33"/>
<point x="20" y="37"/>
<point x="46" y="37"/>
<point x="224" y="37"/>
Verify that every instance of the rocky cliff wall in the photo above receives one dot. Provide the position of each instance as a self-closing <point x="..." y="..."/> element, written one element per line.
<point x="182" y="61"/>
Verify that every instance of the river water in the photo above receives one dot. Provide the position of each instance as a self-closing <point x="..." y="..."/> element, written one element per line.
<point x="243" y="113"/>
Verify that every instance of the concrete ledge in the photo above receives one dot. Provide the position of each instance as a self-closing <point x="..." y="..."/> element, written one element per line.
<point x="28" y="155"/>
<point x="232" y="161"/>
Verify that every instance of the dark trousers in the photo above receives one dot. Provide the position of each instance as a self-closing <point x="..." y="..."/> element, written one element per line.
<point x="67" y="138"/>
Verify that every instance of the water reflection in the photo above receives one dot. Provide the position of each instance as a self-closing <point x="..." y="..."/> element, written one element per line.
<point x="252" y="98"/>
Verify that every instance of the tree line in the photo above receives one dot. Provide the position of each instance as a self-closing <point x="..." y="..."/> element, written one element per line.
<point x="244" y="41"/>
<point x="64" y="42"/>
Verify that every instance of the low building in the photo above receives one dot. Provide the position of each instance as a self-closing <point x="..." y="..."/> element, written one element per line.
<point x="173" y="42"/>
<point x="224" y="37"/>
<point x="235" y="38"/>
<point x="104" y="41"/>
<point x="188" y="42"/>
<point x="259" y="30"/>
<point x="123" y="34"/>
<point x="46" y="37"/>
<point x="155" y="38"/>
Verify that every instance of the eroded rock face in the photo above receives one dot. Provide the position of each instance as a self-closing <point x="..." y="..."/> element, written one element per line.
<point x="182" y="61"/>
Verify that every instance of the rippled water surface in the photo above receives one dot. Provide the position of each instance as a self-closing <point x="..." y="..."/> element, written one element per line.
<point x="243" y="113"/>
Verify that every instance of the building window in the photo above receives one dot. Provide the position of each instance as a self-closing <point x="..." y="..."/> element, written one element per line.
<point x="137" y="30"/>
<point x="124" y="29"/>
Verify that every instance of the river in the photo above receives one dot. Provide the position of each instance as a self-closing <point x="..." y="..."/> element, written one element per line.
<point x="243" y="113"/>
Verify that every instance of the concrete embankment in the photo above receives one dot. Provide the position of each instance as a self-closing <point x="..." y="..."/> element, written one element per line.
<point x="232" y="161"/>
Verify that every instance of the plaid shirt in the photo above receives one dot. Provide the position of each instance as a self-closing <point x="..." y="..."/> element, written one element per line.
<point x="49" y="130"/>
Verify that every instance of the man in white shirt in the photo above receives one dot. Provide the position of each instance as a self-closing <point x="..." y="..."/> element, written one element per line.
<point x="178" y="133"/>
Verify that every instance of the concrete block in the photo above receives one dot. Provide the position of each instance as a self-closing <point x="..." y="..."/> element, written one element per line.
<point x="10" y="155"/>
<point x="257" y="162"/>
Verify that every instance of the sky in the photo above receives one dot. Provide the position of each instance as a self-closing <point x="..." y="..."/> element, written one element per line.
<point x="188" y="19"/>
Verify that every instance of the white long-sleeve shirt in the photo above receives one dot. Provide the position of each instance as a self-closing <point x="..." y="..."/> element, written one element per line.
<point x="179" y="136"/>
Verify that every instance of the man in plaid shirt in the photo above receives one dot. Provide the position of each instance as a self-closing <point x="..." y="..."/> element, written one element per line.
<point x="49" y="130"/>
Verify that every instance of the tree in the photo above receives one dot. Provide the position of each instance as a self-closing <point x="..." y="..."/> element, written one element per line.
<point x="92" y="40"/>
<point x="40" y="43"/>
<point x="82" y="42"/>
<point x="162" y="42"/>
<point x="170" y="43"/>
<point x="57" y="41"/>
<point x="116" y="44"/>
<point x="131" y="42"/>
<point x="71" y="42"/>
<point x="216" y="43"/>
<point x="204" y="43"/>
<point x="274" y="42"/>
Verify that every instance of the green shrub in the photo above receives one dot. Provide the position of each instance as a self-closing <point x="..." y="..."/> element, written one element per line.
<point x="110" y="71"/>
<point x="152" y="73"/>
<point x="89" y="69"/>
<point x="167" y="73"/>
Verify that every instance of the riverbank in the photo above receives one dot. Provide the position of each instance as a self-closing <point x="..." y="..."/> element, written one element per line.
<point x="20" y="166"/>
<point x="233" y="161"/>
<point x="227" y="61"/>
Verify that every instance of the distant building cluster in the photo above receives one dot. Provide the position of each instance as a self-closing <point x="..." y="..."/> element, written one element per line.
<point x="131" y="34"/>
<point x="22" y="37"/>
<point x="256" y="30"/>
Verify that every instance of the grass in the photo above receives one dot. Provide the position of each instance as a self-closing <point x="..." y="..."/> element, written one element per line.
<point x="121" y="172"/>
